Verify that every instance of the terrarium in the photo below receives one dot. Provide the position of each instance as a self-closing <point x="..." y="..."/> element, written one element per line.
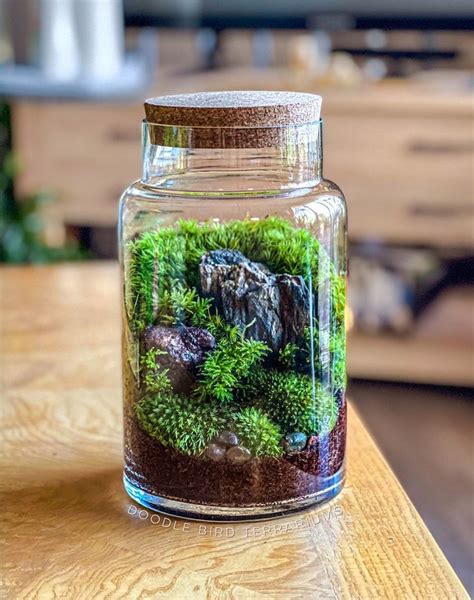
<point x="232" y="249"/>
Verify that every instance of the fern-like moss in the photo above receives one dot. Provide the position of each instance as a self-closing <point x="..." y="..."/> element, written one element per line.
<point x="229" y="364"/>
<point x="185" y="424"/>
<point x="288" y="356"/>
<point x="257" y="432"/>
<point x="182" y="305"/>
<point x="291" y="401"/>
<point x="154" y="378"/>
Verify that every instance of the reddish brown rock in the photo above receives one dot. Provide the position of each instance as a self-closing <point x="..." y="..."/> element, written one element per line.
<point x="183" y="349"/>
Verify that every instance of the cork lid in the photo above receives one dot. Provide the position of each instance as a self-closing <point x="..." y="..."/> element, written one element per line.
<point x="230" y="119"/>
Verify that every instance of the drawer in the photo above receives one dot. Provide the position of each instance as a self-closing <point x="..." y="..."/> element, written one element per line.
<point x="86" y="153"/>
<point x="406" y="179"/>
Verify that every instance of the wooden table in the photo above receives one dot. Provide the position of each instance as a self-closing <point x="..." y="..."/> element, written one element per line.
<point x="72" y="531"/>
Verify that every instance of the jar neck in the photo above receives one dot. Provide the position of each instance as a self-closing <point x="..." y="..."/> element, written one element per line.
<point x="171" y="161"/>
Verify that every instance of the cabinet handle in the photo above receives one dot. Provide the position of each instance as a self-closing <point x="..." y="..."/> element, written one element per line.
<point x="426" y="147"/>
<point x="118" y="134"/>
<point x="441" y="212"/>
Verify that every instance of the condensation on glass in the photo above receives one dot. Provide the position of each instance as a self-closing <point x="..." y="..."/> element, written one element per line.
<point x="233" y="254"/>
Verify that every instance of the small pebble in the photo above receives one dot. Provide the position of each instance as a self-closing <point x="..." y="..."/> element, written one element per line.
<point x="238" y="454"/>
<point x="228" y="438"/>
<point x="294" y="442"/>
<point x="215" y="452"/>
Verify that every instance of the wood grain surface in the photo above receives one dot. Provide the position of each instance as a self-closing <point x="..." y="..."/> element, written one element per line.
<point x="71" y="532"/>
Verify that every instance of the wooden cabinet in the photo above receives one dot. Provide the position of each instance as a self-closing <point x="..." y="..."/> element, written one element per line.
<point x="407" y="177"/>
<point x="404" y="158"/>
<point x="86" y="153"/>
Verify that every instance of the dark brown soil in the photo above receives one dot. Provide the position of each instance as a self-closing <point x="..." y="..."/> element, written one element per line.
<point x="164" y="472"/>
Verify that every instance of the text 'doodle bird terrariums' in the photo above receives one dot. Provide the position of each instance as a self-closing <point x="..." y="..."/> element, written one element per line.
<point x="233" y="255"/>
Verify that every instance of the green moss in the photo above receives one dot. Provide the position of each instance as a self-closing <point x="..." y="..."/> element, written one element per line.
<point x="154" y="265"/>
<point x="288" y="356"/>
<point x="291" y="401"/>
<point x="282" y="402"/>
<point x="229" y="364"/>
<point x="338" y="298"/>
<point x="337" y="348"/>
<point x="158" y="261"/>
<point x="182" y="306"/>
<point x="154" y="378"/>
<point x="273" y="241"/>
<point x="162" y="287"/>
<point x="188" y="425"/>
<point x="303" y="357"/>
<point x="257" y="432"/>
<point x="185" y="424"/>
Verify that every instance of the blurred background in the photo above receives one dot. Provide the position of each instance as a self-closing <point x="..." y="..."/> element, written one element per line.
<point x="397" y="83"/>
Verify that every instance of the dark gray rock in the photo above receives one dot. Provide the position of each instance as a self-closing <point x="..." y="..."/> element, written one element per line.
<point x="294" y="306"/>
<point x="272" y="308"/>
<point x="215" y="267"/>
<point x="185" y="349"/>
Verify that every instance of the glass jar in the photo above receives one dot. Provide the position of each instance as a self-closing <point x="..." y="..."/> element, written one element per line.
<point x="233" y="254"/>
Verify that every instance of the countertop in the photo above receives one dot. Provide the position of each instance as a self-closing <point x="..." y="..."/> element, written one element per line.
<point x="73" y="533"/>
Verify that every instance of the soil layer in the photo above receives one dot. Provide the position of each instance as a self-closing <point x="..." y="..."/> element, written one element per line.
<point x="162" y="471"/>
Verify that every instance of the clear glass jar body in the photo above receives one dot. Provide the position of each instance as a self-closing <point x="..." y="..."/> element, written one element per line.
<point x="234" y="273"/>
